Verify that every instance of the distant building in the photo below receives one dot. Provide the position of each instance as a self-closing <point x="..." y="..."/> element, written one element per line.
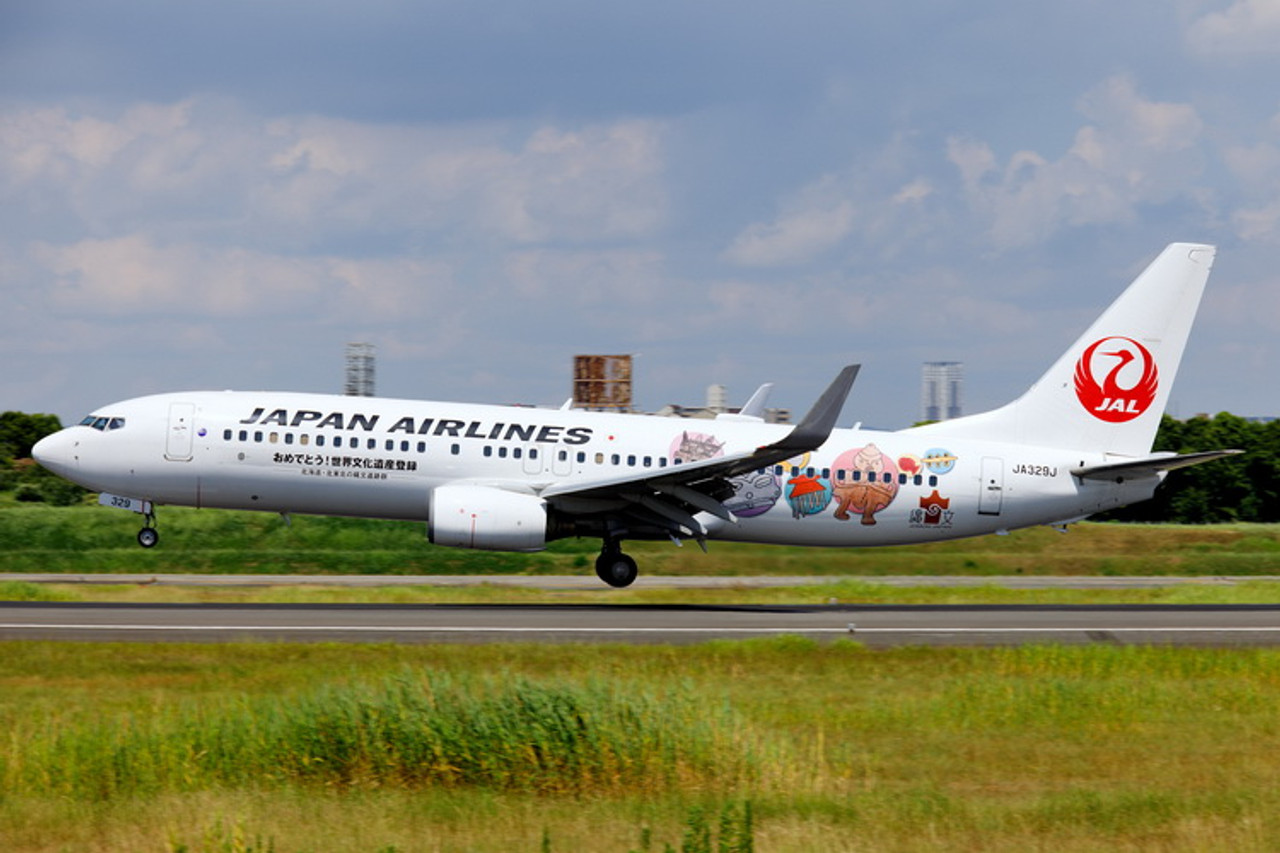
<point x="360" y="371"/>
<point x="940" y="390"/>
<point x="602" y="383"/>
<point x="718" y="404"/>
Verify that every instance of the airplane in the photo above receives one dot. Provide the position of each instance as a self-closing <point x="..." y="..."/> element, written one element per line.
<point x="504" y="478"/>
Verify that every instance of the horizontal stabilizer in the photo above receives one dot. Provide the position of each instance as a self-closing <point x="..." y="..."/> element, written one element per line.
<point x="1150" y="466"/>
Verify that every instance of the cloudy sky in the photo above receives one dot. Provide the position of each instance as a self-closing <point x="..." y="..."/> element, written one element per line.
<point x="221" y="195"/>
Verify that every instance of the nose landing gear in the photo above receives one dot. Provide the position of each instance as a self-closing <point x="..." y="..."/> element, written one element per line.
<point x="148" y="536"/>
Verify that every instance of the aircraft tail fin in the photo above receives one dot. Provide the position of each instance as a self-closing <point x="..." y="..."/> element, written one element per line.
<point x="1109" y="389"/>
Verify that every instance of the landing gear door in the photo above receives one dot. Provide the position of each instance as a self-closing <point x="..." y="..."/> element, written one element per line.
<point x="991" y="497"/>
<point x="179" y="438"/>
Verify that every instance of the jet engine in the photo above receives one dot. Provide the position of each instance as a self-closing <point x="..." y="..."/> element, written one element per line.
<point x="487" y="518"/>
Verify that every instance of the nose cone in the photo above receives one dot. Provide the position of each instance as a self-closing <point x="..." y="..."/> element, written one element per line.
<point x="58" y="453"/>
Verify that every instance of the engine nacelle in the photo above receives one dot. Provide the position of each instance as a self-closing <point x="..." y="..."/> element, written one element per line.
<point x="464" y="516"/>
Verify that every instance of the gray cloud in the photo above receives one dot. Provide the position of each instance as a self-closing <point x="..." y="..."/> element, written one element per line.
<point x="222" y="194"/>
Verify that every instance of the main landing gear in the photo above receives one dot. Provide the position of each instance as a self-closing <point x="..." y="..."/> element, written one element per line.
<point x="148" y="536"/>
<point x="614" y="567"/>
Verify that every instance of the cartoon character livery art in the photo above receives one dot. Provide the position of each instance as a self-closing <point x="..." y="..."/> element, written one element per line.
<point x="1077" y="442"/>
<point x="866" y="482"/>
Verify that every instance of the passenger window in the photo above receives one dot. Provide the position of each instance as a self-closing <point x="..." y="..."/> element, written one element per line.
<point x="599" y="458"/>
<point x="304" y="439"/>
<point x="273" y="438"/>
<point x="631" y="460"/>
<point x="662" y="462"/>
<point x="319" y="441"/>
<point x="391" y="444"/>
<point x="372" y="444"/>
<point x="244" y="435"/>
<point x="455" y="449"/>
<point x="615" y="459"/>
<point x="288" y="438"/>
<point x="226" y="435"/>
<point x="648" y="462"/>
<point x="933" y="481"/>
<point x="487" y="452"/>
<point x="564" y="454"/>
<point x="422" y="447"/>
<point x="502" y="452"/>
<point x="582" y="457"/>
<point x="902" y="479"/>
<point x="257" y="436"/>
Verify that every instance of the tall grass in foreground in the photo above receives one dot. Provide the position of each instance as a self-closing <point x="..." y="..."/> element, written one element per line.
<point x="836" y="746"/>
<point x="409" y="731"/>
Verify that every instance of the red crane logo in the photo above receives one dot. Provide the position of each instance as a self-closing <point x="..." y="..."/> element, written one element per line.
<point x="1108" y="400"/>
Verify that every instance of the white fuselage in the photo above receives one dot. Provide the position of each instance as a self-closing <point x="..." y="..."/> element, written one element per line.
<point x="382" y="458"/>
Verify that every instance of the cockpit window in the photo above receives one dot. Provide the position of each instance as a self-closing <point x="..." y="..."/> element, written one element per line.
<point x="102" y="423"/>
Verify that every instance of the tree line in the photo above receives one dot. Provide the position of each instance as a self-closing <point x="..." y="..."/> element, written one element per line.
<point x="18" y="471"/>
<point x="1240" y="488"/>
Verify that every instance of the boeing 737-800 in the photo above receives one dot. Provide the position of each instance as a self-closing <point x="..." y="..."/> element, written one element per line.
<point x="513" y="479"/>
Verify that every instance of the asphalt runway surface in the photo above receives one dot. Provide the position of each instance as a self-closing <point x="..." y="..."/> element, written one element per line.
<point x="876" y="626"/>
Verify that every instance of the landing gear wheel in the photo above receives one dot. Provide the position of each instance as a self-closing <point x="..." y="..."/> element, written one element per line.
<point x="148" y="537"/>
<point x="616" y="569"/>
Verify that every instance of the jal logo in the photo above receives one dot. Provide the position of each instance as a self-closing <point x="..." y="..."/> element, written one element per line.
<point x="1129" y="379"/>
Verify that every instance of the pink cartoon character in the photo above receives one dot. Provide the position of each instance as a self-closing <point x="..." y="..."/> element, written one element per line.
<point x="865" y="481"/>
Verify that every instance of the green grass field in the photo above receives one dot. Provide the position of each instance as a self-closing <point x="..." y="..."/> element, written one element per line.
<point x="37" y="538"/>
<point x="778" y="745"/>
<point x="506" y="747"/>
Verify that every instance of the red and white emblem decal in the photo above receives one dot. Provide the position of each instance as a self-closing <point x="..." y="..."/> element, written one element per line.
<point x="1123" y="360"/>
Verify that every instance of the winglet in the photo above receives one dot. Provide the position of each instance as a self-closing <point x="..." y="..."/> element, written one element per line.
<point x="821" y="419"/>
<point x="754" y="408"/>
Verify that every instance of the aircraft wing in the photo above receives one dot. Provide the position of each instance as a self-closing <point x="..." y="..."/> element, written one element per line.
<point x="1149" y="466"/>
<point x="665" y="500"/>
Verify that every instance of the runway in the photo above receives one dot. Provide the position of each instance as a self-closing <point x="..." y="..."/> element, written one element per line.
<point x="875" y="626"/>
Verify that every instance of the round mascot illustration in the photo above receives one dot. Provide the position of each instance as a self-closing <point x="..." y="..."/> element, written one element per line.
<point x="865" y="482"/>
<point x="753" y="494"/>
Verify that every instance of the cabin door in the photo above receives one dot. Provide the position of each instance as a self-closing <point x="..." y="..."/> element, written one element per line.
<point x="991" y="498"/>
<point x="178" y="441"/>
